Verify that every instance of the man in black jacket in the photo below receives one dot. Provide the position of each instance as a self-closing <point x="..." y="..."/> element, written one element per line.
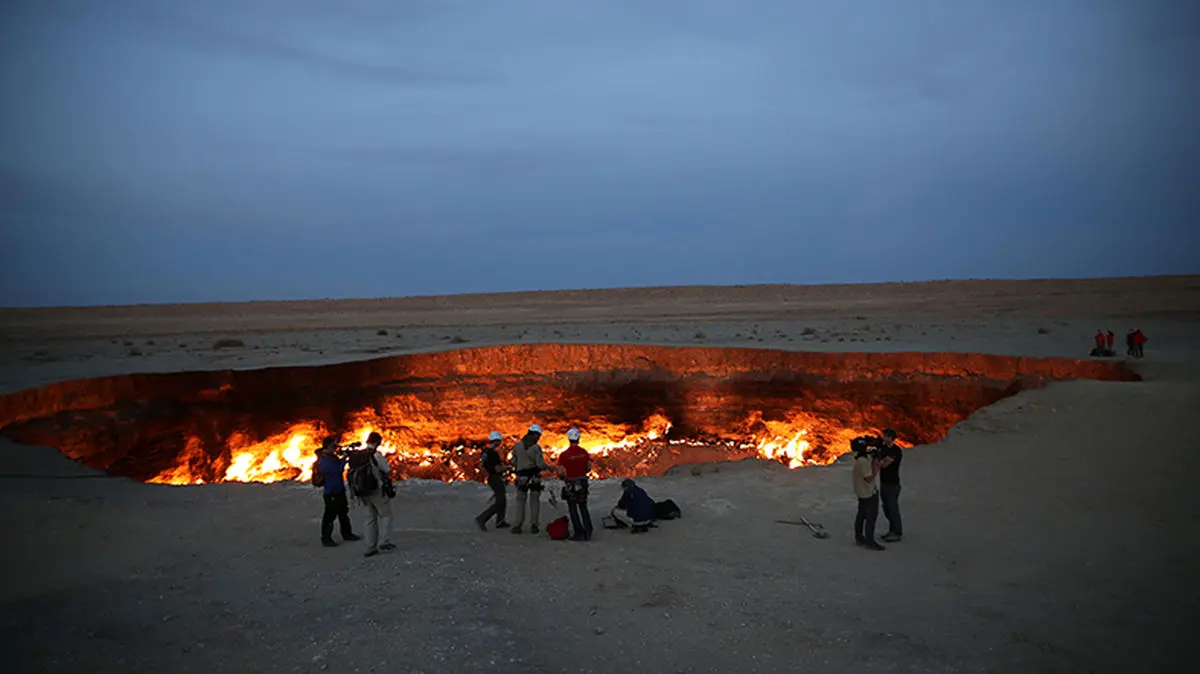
<point x="495" y="470"/>
<point x="889" y="486"/>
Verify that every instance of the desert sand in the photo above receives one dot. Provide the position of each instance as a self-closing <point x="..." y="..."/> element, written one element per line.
<point x="1052" y="532"/>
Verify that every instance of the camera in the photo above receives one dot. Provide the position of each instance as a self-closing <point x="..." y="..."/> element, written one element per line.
<point x="866" y="444"/>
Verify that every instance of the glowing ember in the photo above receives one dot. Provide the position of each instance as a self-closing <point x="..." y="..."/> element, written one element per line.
<point x="618" y="450"/>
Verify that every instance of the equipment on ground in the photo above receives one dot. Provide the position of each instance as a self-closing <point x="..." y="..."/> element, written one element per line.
<point x="558" y="529"/>
<point x="817" y="530"/>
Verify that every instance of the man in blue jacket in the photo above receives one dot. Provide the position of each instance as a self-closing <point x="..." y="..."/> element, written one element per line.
<point x="637" y="504"/>
<point x="332" y="468"/>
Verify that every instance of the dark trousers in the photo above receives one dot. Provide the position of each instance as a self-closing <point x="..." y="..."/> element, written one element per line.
<point x="336" y="507"/>
<point x="581" y="519"/>
<point x="864" y="522"/>
<point x="889" y="495"/>
<point x="499" y="505"/>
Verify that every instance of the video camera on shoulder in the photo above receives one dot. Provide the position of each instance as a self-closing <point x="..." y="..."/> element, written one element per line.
<point x="866" y="444"/>
<point x="349" y="448"/>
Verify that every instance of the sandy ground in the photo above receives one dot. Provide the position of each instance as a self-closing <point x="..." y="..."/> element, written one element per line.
<point x="1053" y="532"/>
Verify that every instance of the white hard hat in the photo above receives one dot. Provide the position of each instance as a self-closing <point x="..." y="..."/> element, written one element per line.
<point x="535" y="429"/>
<point x="573" y="434"/>
<point x="495" y="435"/>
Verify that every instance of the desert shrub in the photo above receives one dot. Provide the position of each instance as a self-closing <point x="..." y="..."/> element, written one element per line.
<point x="1043" y="331"/>
<point x="700" y="335"/>
<point x="808" y="332"/>
<point x="228" y="343"/>
<point x="381" y="332"/>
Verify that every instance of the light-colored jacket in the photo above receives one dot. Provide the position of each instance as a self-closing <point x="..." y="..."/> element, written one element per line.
<point x="528" y="458"/>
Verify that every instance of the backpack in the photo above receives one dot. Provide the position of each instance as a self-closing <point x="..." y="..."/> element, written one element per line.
<point x="318" y="478"/>
<point x="363" y="479"/>
<point x="667" y="510"/>
<point x="558" y="529"/>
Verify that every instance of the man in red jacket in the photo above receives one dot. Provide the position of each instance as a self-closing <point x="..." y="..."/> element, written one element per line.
<point x="573" y="467"/>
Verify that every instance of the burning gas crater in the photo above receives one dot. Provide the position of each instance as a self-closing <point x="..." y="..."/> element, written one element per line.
<point x="642" y="409"/>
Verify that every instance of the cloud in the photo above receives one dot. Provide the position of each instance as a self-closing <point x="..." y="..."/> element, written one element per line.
<point x="244" y="143"/>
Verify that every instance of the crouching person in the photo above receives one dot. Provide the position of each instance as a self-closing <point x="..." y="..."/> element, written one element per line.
<point x="328" y="474"/>
<point x="371" y="484"/>
<point x="638" y="507"/>
<point x="573" y="467"/>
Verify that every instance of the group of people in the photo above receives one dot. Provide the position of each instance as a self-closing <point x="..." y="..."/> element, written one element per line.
<point x="528" y="465"/>
<point x="364" y="475"/>
<point x="368" y="480"/>
<point x="875" y="478"/>
<point x="1134" y="341"/>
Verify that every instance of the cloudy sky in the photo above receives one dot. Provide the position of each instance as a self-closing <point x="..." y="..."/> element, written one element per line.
<point x="187" y="150"/>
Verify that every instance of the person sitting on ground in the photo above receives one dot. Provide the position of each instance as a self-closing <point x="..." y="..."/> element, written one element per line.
<point x="495" y="470"/>
<point x="331" y="467"/>
<point x="371" y="483"/>
<point x="638" y="507"/>
<point x="573" y="467"/>
<point x="529" y="463"/>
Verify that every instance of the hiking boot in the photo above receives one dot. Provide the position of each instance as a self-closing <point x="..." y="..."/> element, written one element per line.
<point x="351" y="537"/>
<point x="371" y="553"/>
<point x="503" y="525"/>
<point x="329" y="542"/>
<point x="517" y="529"/>
<point x="481" y="524"/>
<point x="533" y="529"/>
<point x="388" y="546"/>
<point x="872" y="545"/>
<point x="639" y="530"/>
<point x="892" y="538"/>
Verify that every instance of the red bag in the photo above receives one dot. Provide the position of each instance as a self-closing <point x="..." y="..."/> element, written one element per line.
<point x="558" y="529"/>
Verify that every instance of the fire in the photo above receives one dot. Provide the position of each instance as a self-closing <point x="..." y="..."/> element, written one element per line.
<point x="617" y="449"/>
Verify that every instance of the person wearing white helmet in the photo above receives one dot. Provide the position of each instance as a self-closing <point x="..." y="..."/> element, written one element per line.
<point x="573" y="467"/>
<point x="494" y="469"/>
<point x="529" y="464"/>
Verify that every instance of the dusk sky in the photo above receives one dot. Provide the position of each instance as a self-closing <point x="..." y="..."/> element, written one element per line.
<point x="186" y="150"/>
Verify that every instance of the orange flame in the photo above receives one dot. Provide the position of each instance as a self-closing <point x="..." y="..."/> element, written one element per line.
<point x="290" y="455"/>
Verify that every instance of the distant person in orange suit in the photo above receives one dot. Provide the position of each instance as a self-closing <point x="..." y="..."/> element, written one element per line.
<point x="1108" y="340"/>
<point x="1139" y="342"/>
<point x="1099" y="340"/>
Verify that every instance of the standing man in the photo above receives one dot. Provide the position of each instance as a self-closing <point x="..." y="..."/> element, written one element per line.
<point x="494" y="469"/>
<point x="331" y="468"/>
<point x="889" y="486"/>
<point x="866" y="468"/>
<point x="1139" y="343"/>
<point x="1108" y="341"/>
<point x="573" y="467"/>
<point x="371" y="483"/>
<point x="529" y="463"/>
